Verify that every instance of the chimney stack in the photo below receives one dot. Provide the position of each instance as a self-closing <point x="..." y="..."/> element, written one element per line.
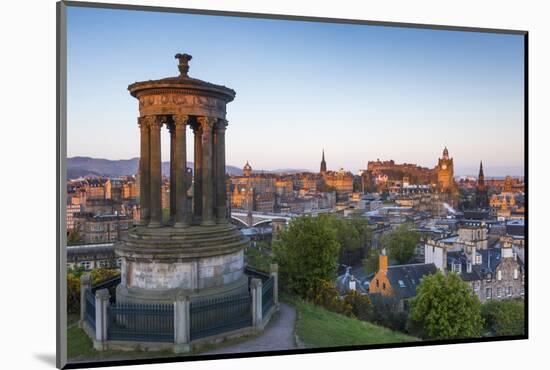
<point x="383" y="261"/>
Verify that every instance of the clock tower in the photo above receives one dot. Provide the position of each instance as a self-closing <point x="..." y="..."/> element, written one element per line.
<point x="445" y="172"/>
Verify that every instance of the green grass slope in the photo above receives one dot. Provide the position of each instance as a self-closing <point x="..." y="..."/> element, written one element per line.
<point x="317" y="327"/>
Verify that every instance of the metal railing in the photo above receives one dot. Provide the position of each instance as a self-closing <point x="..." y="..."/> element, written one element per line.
<point x="267" y="296"/>
<point x="255" y="273"/>
<point x="140" y="322"/>
<point x="109" y="284"/>
<point x="219" y="315"/>
<point x="90" y="308"/>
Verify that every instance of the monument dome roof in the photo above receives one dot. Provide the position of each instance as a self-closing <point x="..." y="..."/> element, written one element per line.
<point x="182" y="82"/>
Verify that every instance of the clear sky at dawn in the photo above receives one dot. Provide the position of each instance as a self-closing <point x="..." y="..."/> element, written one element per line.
<point x="360" y="92"/>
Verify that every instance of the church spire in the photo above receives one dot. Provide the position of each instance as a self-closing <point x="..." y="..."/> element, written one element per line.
<point x="481" y="191"/>
<point x="481" y="176"/>
<point x="323" y="163"/>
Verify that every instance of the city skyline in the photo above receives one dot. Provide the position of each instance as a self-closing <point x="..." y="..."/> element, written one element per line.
<point x="348" y="84"/>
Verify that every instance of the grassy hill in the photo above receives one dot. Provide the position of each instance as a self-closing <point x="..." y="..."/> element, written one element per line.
<point x="317" y="327"/>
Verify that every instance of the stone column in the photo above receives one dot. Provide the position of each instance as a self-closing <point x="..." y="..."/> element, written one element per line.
<point x="180" y="156"/>
<point x="101" y="302"/>
<point x="197" y="172"/>
<point x="85" y="284"/>
<point x="219" y="151"/>
<point x="256" y="290"/>
<point x="207" y="124"/>
<point x="274" y="272"/>
<point x="171" y="128"/>
<point x="156" y="175"/>
<point x="144" y="172"/>
<point x="182" y="323"/>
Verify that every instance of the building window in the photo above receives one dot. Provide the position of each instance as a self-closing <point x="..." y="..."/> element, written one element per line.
<point x="383" y="286"/>
<point x="119" y="262"/>
<point x="510" y="290"/>
<point x="499" y="275"/>
<point x="377" y="283"/>
<point x="86" y="264"/>
<point x="488" y="293"/>
<point x="457" y="267"/>
<point x="103" y="263"/>
<point x="516" y="274"/>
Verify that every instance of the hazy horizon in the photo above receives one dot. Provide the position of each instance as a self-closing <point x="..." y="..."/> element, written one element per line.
<point x="489" y="171"/>
<point x="359" y="92"/>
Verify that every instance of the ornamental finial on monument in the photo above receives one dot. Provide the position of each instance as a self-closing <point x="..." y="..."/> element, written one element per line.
<point x="183" y="65"/>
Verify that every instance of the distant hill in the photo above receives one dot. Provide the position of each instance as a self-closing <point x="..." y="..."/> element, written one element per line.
<point x="289" y="170"/>
<point x="87" y="166"/>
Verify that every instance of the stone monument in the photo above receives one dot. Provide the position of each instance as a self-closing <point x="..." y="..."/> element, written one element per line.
<point x="196" y="251"/>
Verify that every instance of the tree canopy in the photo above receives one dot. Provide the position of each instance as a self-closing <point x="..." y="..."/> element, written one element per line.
<point x="307" y="253"/>
<point x="353" y="233"/>
<point x="401" y="243"/>
<point x="370" y="262"/>
<point x="445" y="307"/>
<point x="504" y="317"/>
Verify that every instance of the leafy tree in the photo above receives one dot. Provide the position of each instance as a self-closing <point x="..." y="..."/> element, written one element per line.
<point x="353" y="233"/>
<point x="446" y="308"/>
<point x="504" y="317"/>
<point x="257" y="259"/>
<point x="73" y="237"/>
<point x="346" y="234"/>
<point x="363" y="229"/>
<point x="370" y="263"/>
<point x="307" y="252"/>
<point x="401" y="243"/>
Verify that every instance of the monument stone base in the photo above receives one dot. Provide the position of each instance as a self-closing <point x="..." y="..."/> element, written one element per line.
<point x="198" y="261"/>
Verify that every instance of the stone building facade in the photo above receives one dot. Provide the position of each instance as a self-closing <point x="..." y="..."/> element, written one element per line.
<point x="102" y="228"/>
<point x="493" y="272"/>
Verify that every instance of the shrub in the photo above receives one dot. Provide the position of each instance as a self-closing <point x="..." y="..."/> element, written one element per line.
<point x="324" y="294"/>
<point x="386" y="312"/>
<point x="73" y="284"/>
<point x="504" y="317"/>
<point x="361" y="306"/>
